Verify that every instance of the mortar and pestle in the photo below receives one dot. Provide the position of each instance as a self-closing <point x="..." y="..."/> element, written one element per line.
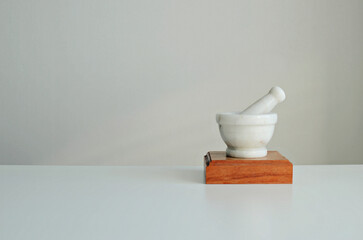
<point x="247" y="133"/>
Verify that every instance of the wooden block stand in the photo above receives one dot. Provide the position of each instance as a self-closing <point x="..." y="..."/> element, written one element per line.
<point x="220" y="169"/>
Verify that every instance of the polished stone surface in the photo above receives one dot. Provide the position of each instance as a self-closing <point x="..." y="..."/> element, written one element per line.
<point x="247" y="133"/>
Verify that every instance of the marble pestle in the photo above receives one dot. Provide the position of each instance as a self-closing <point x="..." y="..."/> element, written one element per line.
<point x="266" y="103"/>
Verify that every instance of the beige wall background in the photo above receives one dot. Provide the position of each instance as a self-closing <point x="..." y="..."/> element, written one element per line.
<point x="140" y="82"/>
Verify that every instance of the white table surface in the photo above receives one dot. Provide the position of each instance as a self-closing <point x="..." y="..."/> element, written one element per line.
<point x="98" y="202"/>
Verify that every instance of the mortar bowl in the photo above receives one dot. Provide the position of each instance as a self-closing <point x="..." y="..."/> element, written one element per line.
<point x="246" y="136"/>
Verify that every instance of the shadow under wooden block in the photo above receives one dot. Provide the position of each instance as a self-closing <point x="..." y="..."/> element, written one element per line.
<point x="220" y="169"/>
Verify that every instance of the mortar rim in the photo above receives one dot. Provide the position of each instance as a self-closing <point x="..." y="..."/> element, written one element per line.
<point x="235" y="118"/>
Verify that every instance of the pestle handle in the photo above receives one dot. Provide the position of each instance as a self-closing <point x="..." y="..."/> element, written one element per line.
<point x="267" y="102"/>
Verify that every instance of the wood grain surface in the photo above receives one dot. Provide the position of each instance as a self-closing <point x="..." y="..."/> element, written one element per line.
<point x="272" y="169"/>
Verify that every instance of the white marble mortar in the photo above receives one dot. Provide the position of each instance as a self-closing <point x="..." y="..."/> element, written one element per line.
<point x="246" y="136"/>
<point x="247" y="133"/>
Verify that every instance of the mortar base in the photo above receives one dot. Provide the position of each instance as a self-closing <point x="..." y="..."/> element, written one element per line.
<point x="246" y="152"/>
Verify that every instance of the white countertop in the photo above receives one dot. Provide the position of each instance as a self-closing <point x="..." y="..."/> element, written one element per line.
<point x="113" y="202"/>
